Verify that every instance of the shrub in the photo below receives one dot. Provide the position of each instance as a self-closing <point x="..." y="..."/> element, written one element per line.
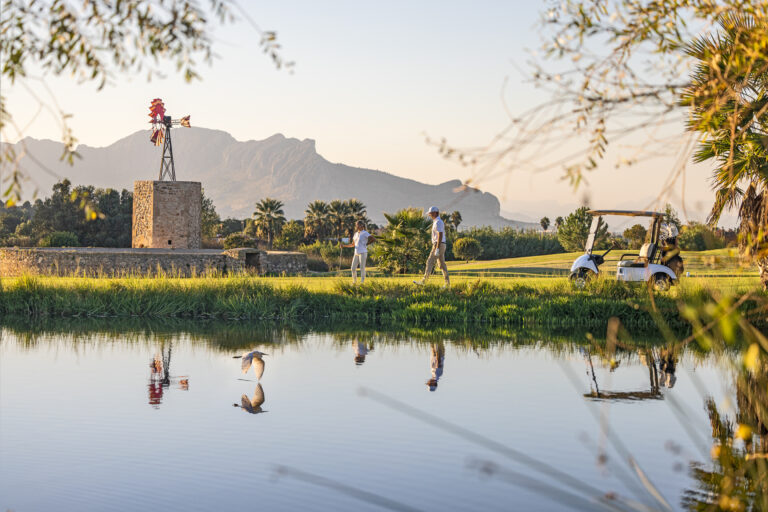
<point x="699" y="237"/>
<point x="404" y="245"/>
<point x="511" y="243"/>
<point x="467" y="249"/>
<point x="290" y="236"/>
<point x="236" y="240"/>
<point x="327" y="253"/>
<point x="59" y="239"/>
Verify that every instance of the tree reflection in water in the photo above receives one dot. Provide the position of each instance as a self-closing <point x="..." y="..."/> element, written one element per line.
<point x="738" y="477"/>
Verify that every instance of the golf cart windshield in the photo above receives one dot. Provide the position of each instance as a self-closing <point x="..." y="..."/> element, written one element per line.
<point x="592" y="234"/>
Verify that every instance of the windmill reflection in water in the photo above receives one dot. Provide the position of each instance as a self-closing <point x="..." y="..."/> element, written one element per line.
<point x="160" y="377"/>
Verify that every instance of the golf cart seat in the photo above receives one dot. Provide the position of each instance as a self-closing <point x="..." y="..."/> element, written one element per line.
<point x="646" y="256"/>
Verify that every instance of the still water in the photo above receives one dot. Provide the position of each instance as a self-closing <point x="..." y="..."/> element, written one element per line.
<point x="127" y="421"/>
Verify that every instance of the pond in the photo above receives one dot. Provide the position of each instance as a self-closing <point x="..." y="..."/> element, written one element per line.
<point x="111" y="419"/>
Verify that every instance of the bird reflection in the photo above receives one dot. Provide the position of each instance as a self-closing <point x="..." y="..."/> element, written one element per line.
<point x="361" y="350"/>
<point x="252" y="405"/>
<point x="160" y="377"/>
<point x="436" y="360"/>
<point x="254" y="357"/>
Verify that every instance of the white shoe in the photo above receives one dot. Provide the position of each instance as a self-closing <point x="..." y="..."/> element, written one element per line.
<point x="419" y="283"/>
<point x="446" y="286"/>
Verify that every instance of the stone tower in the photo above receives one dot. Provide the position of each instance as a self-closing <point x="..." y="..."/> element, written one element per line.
<point x="166" y="214"/>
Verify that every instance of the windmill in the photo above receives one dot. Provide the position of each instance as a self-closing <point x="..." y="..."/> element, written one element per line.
<point x="161" y="134"/>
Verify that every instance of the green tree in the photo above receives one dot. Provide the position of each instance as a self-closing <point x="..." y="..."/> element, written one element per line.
<point x="268" y="219"/>
<point x="544" y="223"/>
<point x="635" y="236"/>
<point x="467" y="249"/>
<point x="229" y="226"/>
<point x="291" y="236"/>
<point x="59" y="239"/>
<point x="209" y="219"/>
<point x="316" y="220"/>
<point x="575" y="230"/>
<point x="699" y="237"/>
<point x="727" y="99"/>
<point x="404" y="245"/>
<point x="558" y="222"/>
<point x="671" y="217"/>
<point x="340" y="218"/>
<point x="456" y="219"/>
<point x="359" y="213"/>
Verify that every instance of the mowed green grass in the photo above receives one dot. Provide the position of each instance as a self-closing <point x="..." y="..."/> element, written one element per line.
<point x="714" y="262"/>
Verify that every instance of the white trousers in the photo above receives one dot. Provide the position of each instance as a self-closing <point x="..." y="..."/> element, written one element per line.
<point x="359" y="259"/>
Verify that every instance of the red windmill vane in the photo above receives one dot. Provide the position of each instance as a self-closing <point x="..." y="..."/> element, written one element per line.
<point x="161" y="134"/>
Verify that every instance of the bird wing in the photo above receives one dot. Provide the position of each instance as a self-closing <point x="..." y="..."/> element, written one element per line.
<point x="258" y="396"/>
<point x="246" y="363"/>
<point x="245" y="403"/>
<point x="258" y="367"/>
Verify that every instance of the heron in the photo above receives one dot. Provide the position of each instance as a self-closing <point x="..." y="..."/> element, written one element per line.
<point x="252" y="405"/>
<point x="254" y="357"/>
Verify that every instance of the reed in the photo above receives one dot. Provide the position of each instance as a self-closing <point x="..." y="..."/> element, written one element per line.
<point x="551" y="303"/>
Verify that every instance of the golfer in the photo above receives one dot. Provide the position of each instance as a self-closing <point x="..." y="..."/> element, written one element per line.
<point x="360" y="242"/>
<point x="437" y="253"/>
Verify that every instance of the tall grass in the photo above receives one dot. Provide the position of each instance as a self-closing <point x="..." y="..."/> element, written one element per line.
<point x="556" y="305"/>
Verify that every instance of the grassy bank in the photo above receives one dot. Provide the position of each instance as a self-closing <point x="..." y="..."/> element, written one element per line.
<point x="513" y="302"/>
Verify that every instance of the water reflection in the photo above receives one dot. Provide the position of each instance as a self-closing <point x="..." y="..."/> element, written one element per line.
<point x="436" y="362"/>
<point x="505" y="362"/>
<point x="252" y="405"/>
<point x="661" y="364"/>
<point x="160" y="377"/>
<point x="361" y="350"/>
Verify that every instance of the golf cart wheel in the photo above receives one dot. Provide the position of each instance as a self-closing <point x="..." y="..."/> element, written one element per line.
<point x="579" y="279"/>
<point x="661" y="282"/>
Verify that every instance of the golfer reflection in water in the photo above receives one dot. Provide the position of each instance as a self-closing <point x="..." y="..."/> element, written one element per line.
<point x="360" y="352"/>
<point x="436" y="360"/>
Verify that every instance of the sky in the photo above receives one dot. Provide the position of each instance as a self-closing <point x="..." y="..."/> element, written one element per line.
<point x="371" y="82"/>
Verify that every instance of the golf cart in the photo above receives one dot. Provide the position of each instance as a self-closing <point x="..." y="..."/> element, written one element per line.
<point x="658" y="263"/>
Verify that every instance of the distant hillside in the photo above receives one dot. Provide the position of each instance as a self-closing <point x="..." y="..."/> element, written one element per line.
<point x="237" y="174"/>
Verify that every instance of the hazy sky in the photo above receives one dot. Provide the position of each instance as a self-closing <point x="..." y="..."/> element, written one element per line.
<point x="370" y="80"/>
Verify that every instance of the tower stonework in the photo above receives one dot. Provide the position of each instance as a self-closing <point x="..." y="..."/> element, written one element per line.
<point x="167" y="214"/>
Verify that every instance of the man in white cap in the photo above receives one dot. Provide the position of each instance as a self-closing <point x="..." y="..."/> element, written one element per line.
<point x="437" y="253"/>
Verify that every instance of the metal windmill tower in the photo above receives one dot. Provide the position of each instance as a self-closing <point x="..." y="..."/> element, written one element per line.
<point x="161" y="134"/>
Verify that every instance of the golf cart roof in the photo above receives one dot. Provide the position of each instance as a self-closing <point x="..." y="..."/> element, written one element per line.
<point x="627" y="213"/>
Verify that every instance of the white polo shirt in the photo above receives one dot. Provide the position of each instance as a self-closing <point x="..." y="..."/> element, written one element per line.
<point x="438" y="226"/>
<point x="361" y="242"/>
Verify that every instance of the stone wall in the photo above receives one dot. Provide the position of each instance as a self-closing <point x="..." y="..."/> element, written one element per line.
<point x="146" y="262"/>
<point x="166" y="214"/>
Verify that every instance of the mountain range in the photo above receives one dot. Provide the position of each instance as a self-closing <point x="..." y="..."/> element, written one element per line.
<point x="235" y="175"/>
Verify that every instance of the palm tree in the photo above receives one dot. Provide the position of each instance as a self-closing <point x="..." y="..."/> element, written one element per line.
<point x="269" y="218"/>
<point x="728" y="102"/>
<point x="544" y="222"/>
<point x="316" y="220"/>
<point x="558" y="222"/>
<point x="358" y="212"/>
<point x="456" y="219"/>
<point x="405" y="243"/>
<point x="339" y="218"/>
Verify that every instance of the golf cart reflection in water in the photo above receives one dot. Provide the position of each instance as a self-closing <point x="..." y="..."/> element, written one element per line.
<point x="658" y="263"/>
